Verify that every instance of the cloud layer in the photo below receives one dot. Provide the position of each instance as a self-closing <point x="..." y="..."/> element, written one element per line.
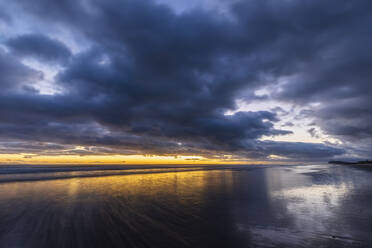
<point x="138" y="77"/>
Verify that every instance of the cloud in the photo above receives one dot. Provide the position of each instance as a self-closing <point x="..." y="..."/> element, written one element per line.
<point x="300" y="150"/>
<point x="313" y="132"/>
<point x="40" y="47"/>
<point x="15" y="75"/>
<point x="151" y="78"/>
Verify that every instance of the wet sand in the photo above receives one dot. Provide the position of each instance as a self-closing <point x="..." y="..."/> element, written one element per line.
<point x="198" y="206"/>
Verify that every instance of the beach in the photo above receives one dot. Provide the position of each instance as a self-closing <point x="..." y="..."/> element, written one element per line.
<point x="316" y="205"/>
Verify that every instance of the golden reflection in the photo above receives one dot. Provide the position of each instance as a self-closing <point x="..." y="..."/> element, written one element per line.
<point x="183" y="187"/>
<point x="137" y="205"/>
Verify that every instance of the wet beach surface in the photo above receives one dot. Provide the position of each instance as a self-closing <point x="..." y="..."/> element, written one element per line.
<point x="224" y="206"/>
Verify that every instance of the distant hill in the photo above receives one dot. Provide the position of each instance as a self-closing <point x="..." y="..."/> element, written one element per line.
<point x="351" y="163"/>
<point x="365" y="164"/>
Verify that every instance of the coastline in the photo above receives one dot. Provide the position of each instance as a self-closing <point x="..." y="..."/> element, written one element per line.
<point x="364" y="165"/>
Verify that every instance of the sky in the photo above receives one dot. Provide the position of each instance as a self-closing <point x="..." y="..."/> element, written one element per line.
<point x="171" y="81"/>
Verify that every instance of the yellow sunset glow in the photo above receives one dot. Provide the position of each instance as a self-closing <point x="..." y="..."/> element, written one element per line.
<point x="112" y="159"/>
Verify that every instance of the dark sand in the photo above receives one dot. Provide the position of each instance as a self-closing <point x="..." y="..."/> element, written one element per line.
<point x="240" y="206"/>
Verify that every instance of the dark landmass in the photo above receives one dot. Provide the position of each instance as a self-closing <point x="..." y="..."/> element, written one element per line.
<point x="365" y="164"/>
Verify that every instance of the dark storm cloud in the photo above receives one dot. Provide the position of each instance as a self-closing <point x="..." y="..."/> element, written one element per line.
<point x="349" y="118"/>
<point x="298" y="150"/>
<point x="149" y="79"/>
<point x="313" y="132"/>
<point x="15" y="75"/>
<point x="324" y="52"/>
<point x="4" y="17"/>
<point x="40" y="47"/>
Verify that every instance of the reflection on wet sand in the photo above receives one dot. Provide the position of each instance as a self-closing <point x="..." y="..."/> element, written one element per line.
<point x="310" y="209"/>
<point x="249" y="206"/>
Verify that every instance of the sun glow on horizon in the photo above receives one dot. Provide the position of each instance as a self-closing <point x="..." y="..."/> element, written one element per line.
<point x="113" y="159"/>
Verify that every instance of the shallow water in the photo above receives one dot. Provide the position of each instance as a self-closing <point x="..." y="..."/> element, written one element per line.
<point x="239" y="206"/>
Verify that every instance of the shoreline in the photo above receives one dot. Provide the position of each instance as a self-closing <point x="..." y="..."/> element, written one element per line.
<point x="365" y="165"/>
